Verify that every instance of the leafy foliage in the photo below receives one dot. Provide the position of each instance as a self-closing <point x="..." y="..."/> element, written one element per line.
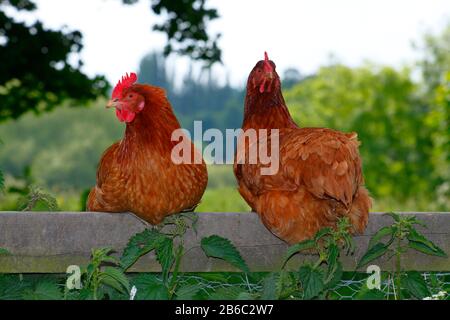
<point x="163" y="244"/>
<point x="312" y="281"/>
<point x="401" y="230"/>
<point x="373" y="253"/>
<point x="402" y="235"/>
<point x="318" y="278"/>
<point x="43" y="290"/>
<point x="221" y="248"/>
<point x="150" y="287"/>
<point x="101" y="275"/>
<point x="139" y="245"/>
<point x="69" y="158"/>
<point x="379" y="104"/>
<point x="414" y="283"/>
<point x="42" y="287"/>
<point x="370" y="294"/>
<point x="43" y="77"/>
<point x="49" y="69"/>
<point x="185" y="28"/>
<point x="36" y="198"/>
<point x="402" y="124"/>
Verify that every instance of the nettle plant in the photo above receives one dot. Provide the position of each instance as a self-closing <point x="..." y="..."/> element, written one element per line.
<point x="105" y="277"/>
<point x="315" y="279"/>
<point x="400" y="237"/>
<point x="100" y="281"/>
<point x="31" y="197"/>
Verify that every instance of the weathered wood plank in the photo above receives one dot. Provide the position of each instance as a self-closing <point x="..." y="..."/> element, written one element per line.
<point x="50" y="242"/>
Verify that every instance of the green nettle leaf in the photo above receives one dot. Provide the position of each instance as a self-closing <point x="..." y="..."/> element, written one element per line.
<point x="312" y="281"/>
<point x="188" y="292"/>
<point x="101" y="253"/>
<point x="419" y="246"/>
<point x="278" y="285"/>
<point x="322" y="232"/>
<point x="150" y="287"/>
<point x="370" y="294"/>
<point x="334" y="275"/>
<point x="193" y="217"/>
<point x="164" y="254"/>
<point x="394" y="216"/>
<point x="115" y="278"/>
<point x="108" y="282"/>
<point x="221" y="248"/>
<point x="418" y="242"/>
<point x="89" y="272"/>
<point x="4" y="252"/>
<point x="349" y="243"/>
<point x="415" y="284"/>
<point x="11" y="288"/>
<point x="107" y="292"/>
<point x="414" y="220"/>
<point x="333" y="255"/>
<point x="85" y="294"/>
<point x="373" y="253"/>
<point x="383" y="232"/>
<point x="270" y="290"/>
<point x="110" y="259"/>
<point x="304" y="245"/>
<point x="44" y="290"/>
<point x="139" y="245"/>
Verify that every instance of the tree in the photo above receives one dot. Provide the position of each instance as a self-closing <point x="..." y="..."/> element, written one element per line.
<point x="435" y="61"/>
<point x="381" y="105"/>
<point x="403" y="124"/>
<point x="185" y="28"/>
<point x="153" y="70"/>
<point x="35" y="72"/>
<point x="435" y="70"/>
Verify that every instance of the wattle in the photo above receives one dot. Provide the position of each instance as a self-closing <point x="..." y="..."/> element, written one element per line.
<point x="125" y="115"/>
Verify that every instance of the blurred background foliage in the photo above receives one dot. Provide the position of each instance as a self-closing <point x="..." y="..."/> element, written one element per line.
<point x="41" y="68"/>
<point x="402" y="117"/>
<point x="35" y="71"/>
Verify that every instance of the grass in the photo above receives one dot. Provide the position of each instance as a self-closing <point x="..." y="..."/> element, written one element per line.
<point x="223" y="199"/>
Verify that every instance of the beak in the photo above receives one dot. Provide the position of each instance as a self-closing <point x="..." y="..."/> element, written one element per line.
<point x="270" y="75"/>
<point x="113" y="103"/>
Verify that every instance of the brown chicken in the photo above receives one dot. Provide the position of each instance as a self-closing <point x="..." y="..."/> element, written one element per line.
<point x="319" y="177"/>
<point x="138" y="174"/>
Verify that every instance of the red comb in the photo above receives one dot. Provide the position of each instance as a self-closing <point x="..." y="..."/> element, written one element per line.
<point x="127" y="81"/>
<point x="267" y="66"/>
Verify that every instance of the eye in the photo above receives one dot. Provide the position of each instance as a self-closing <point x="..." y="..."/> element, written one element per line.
<point x="130" y="96"/>
<point x="259" y="70"/>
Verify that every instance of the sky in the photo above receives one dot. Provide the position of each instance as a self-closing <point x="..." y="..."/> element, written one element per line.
<point x="296" y="33"/>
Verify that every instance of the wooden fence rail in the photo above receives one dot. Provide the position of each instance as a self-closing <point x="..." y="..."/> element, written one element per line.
<point x="50" y="242"/>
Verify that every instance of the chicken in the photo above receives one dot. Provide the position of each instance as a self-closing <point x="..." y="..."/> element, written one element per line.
<point x="138" y="174"/>
<point x="319" y="177"/>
